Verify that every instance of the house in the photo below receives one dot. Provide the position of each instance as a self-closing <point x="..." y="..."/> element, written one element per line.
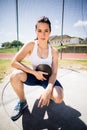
<point x="75" y="40"/>
<point x="66" y="39"/>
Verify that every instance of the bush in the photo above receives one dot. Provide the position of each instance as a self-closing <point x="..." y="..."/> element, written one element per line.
<point x="14" y="43"/>
<point x="6" y="45"/>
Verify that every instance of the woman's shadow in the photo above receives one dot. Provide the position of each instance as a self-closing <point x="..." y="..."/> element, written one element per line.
<point x="59" y="117"/>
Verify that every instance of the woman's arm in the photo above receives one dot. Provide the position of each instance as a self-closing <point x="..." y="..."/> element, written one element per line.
<point x="52" y="78"/>
<point x="46" y="95"/>
<point x="24" y="51"/>
<point x="16" y="62"/>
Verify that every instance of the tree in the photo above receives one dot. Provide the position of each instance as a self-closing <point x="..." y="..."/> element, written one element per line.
<point x="14" y="43"/>
<point x="6" y="45"/>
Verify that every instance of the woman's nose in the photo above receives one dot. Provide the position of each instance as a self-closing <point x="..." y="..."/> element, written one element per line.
<point x="43" y="33"/>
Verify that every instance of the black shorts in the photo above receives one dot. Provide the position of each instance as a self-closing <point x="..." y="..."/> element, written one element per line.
<point x="32" y="80"/>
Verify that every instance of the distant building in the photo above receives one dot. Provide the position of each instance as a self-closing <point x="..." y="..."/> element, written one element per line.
<point x="56" y="40"/>
<point x="75" y="40"/>
<point x="85" y="40"/>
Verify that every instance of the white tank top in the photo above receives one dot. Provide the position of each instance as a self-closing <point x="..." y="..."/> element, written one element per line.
<point x="36" y="60"/>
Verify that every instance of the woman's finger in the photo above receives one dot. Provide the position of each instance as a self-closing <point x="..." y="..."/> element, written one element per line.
<point x="40" y="102"/>
<point x="48" y="102"/>
<point x="45" y="73"/>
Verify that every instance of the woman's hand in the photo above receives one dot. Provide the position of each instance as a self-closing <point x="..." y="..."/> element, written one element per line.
<point x="39" y="75"/>
<point x="44" y="98"/>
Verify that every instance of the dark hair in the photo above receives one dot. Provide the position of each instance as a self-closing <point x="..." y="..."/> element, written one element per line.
<point x="44" y="20"/>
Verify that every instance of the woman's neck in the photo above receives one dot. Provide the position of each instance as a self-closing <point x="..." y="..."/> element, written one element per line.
<point x="43" y="45"/>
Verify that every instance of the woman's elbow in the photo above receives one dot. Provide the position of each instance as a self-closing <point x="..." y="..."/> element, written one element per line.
<point x="13" y="63"/>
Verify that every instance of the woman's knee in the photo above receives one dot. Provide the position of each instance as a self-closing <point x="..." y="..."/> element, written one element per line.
<point x="58" y="95"/>
<point x="13" y="76"/>
<point x="18" y="75"/>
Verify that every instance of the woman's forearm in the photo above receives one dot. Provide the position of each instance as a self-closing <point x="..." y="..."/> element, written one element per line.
<point x="21" y="66"/>
<point x="52" y="80"/>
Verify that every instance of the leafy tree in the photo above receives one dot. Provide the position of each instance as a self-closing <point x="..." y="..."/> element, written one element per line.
<point x="6" y="45"/>
<point x="14" y="43"/>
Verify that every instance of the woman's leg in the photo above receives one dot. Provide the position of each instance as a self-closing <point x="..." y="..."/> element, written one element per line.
<point x="17" y="78"/>
<point x="57" y="94"/>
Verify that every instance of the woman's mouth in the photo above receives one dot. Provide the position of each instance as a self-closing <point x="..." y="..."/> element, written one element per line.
<point x="42" y="38"/>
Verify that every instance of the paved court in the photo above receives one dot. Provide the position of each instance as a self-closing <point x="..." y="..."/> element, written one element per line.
<point x="71" y="114"/>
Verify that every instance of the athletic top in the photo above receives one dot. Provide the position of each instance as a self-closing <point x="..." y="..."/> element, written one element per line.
<point x="36" y="60"/>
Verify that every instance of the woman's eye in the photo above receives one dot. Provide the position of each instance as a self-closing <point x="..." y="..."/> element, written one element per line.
<point x="42" y="31"/>
<point x="39" y="30"/>
<point x="46" y="30"/>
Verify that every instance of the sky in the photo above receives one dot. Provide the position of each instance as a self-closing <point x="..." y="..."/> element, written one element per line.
<point x="74" y="24"/>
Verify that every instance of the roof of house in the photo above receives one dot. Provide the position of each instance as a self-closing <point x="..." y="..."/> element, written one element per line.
<point x="56" y="37"/>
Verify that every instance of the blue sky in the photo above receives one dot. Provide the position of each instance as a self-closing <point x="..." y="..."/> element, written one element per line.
<point x="75" y="18"/>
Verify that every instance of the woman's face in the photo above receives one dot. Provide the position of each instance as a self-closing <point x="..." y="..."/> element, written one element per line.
<point x="43" y="32"/>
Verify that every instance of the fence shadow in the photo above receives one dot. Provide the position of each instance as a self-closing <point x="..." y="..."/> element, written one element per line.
<point x="60" y="117"/>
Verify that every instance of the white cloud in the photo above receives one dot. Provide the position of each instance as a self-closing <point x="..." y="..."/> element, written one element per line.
<point x="80" y="23"/>
<point x="56" y="21"/>
<point x="56" y="24"/>
<point x="3" y="32"/>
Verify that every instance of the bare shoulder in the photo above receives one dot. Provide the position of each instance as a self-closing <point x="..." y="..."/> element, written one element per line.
<point x="29" y="46"/>
<point x="54" y="52"/>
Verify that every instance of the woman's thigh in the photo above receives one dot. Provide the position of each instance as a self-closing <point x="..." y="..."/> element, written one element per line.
<point x="31" y="80"/>
<point x="19" y="75"/>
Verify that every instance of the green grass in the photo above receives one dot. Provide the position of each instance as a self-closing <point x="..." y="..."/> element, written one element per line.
<point x="73" y="64"/>
<point x="5" y="65"/>
<point x="14" y="50"/>
<point x="8" y="50"/>
<point x="73" y="45"/>
<point x="5" y="68"/>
